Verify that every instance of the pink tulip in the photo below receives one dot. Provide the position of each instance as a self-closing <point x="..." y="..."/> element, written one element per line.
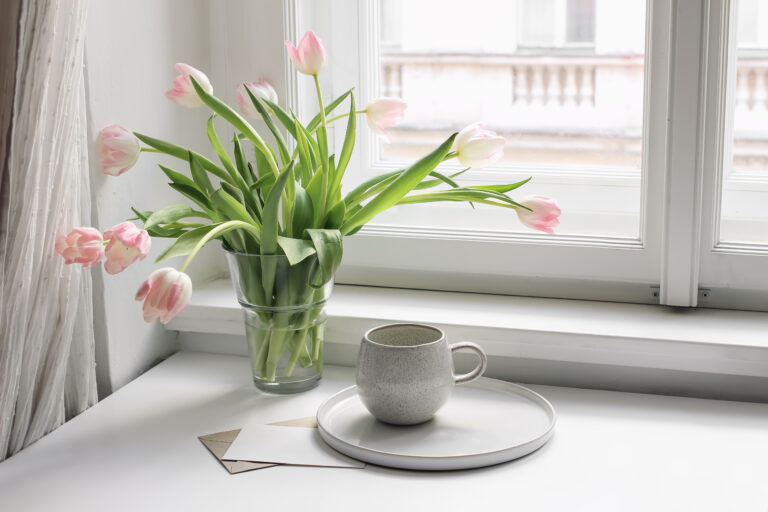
<point x="544" y="216"/>
<point x="385" y="112"/>
<point x="310" y="57"/>
<point x="260" y="89"/>
<point x="81" y="245"/>
<point x="127" y="243"/>
<point x="117" y="149"/>
<point x="165" y="293"/>
<point x="477" y="147"/>
<point x="183" y="92"/>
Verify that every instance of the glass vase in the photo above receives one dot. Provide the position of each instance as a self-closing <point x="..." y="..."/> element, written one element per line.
<point x="284" y="319"/>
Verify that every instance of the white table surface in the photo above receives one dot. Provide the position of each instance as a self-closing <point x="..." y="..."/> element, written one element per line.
<point x="138" y="450"/>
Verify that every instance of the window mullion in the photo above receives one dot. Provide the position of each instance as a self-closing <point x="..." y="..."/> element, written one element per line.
<point x="683" y="173"/>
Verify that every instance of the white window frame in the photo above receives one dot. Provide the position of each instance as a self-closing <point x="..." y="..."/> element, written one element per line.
<point x="735" y="273"/>
<point x="597" y="267"/>
<point x="673" y="256"/>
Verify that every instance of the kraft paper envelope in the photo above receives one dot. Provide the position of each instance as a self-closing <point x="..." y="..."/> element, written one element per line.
<point x="219" y="442"/>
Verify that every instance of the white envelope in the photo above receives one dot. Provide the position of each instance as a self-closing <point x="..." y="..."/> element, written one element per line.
<point x="292" y="446"/>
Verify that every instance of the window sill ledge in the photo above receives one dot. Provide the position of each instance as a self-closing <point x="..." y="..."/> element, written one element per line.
<point x="694" y="352"/>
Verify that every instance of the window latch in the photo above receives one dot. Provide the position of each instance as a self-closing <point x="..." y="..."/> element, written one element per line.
<point x="704" y="294"/>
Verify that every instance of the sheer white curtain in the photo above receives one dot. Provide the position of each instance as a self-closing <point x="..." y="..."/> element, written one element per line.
<point x="47" y="362"/>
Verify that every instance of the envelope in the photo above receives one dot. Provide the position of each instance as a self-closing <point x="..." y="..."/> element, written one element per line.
<point x="218" y="443"/>
<point x="292" y="446"/>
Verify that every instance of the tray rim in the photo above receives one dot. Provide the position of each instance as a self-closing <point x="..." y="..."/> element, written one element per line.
<point x="432" y="463"/>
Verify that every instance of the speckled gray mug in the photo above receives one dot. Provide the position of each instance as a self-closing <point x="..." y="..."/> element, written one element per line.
<point x="405" y="372"/>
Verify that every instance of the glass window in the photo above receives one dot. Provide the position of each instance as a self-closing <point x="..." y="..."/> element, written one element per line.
<point x="537" y="23"/>
<point x="743" y="212"/>
<point x="573" y="121"/>
<point x="580" y="21"/>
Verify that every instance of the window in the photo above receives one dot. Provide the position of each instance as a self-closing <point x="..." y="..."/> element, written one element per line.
<point x="734" y="231"/>
<point x="626" y="112"/>
<point x="580" y="21"/>
<point x="743" y="216"/>
<point x="565" y="117"/>
<point x="556" y="23"/>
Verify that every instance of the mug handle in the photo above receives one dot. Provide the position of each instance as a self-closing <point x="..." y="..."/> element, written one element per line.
<point x="478" y="371"/>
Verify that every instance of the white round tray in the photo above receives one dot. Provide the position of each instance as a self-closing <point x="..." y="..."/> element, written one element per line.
<point x="485" y="422"/>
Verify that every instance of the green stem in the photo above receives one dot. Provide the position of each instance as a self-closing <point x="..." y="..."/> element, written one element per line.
<point x="324" y="125"/>
<point x="342" y="116"/>
<point x="258" y="340"/>
<point x="296" y="346"/>
<point x="151" y="150"/>
<point x="276" y="348"/>
<point x="329" y="121"/>
<point x="317" y="347"/>
<point x="232" y="224"/>
<point x="323" y="122"/>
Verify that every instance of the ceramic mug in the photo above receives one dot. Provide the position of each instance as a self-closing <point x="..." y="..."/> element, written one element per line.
<point x="405" y="372"/>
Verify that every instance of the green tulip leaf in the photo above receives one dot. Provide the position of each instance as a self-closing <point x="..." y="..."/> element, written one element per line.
<point x="192" y="193"/>
<point x="282" y="148"/>
<point x="348" y="146"/>
<point x="236" y="120"/>
<point x="282" y="116"/>
<point x="295" y="249"/>
<point x="271" y="214"/>
<point x="315" y="191"/>
<point x="210" y="130"/>
<point x="242" y="164"/>
<point x="336" y="215"/>
<point x="183" y="153"/>
<point x="315" y="122"/>
<point x="199" y="175"/>
<point x="396" y="190"/>
<point x="356" y="195"/>
<point x="503" y="188"/>
<point x="302" y="147"/>
<point x="191" y="241"/>
<point x="230" y="207"/>
<point x="329" y="249"/>
<point x="177" y="177"/>
<point x="185" y="243"/>
<point x="303" y="214"/>
<point x="172" y="213"/>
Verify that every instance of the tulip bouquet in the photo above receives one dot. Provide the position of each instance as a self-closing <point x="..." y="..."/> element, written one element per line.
<point x="280" y="216"/>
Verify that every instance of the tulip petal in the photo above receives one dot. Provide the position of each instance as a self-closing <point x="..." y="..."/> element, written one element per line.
<point x="81" y="245"/>
<point x="166" y="293"/>
<point x="184" y="92"/>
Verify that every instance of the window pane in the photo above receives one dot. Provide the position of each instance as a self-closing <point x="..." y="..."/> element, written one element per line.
<point x="747" y="22"/>
<point x="537" y="26"/>
<point x="572" y="115"/>
<point x="580" y="21"/>
<point x="744" y="216"/>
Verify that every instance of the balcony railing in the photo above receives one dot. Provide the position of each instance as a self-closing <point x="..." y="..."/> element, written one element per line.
<point x="547" y="99"/>
<point x="752" y="84"/>
<point x="534" y="79"/>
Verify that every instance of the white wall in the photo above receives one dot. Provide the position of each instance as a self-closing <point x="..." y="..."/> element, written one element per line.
<point x="130" y="51"/>
<point x="247" y="43"/>
<point x="131" y="48"/>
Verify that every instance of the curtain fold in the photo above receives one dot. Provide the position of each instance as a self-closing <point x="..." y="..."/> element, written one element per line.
<point x="47" y="349"/>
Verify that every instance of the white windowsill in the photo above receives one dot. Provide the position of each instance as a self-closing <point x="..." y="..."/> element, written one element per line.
<point x="700" y="352"/>
<point x="611" y="451"/>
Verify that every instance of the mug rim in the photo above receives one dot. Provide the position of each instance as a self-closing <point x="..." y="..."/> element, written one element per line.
<point x="404" y="324"/>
